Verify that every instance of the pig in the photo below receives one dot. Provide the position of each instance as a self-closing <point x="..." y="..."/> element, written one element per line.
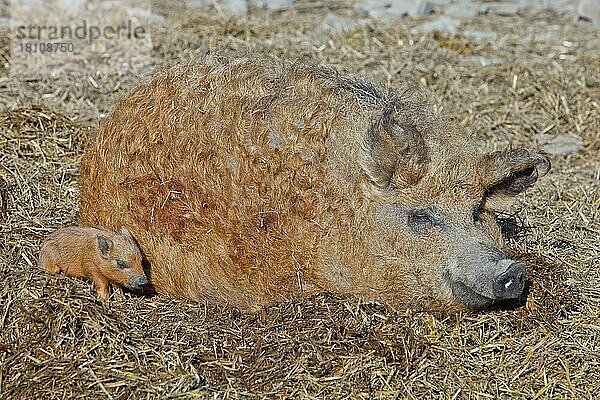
<point x="249" y="180"/>
<point x="103" y="256"/>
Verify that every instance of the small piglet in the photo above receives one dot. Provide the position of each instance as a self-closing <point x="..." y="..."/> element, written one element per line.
<point x="103" y="256"/>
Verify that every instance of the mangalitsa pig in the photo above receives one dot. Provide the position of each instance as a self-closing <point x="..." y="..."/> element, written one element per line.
<point x="107" y="258"/>
<point x="253" y="179"/>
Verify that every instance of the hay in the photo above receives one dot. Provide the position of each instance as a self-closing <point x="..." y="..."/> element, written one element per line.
<point x="58" y="341"/>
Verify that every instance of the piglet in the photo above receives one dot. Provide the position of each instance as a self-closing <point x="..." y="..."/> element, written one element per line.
<point x="106" y="257"/>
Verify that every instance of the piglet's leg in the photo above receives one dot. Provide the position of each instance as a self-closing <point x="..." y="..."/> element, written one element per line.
<point x="52" y="267"/>
<point x="102" y="286"/>
<point x="46" y="263"/>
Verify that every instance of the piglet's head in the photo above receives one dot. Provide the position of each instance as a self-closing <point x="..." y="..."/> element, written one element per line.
<point x="121" y="259"/>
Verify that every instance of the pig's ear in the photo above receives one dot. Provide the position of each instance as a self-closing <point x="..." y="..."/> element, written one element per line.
<point x="104" y="245"/>
<point x="392" y="153"/>
<point x="509" y="172"/>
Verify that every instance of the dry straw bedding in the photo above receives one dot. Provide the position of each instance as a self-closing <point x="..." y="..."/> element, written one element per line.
<point x="58" y="341"/>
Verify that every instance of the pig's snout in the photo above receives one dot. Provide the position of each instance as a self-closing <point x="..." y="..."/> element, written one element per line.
<point x="479" y="283"/>
<point x="138" y="282"/>
<point x="510" y="283"/>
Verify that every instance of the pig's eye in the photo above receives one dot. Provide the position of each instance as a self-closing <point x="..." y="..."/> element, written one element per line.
<point x="122" y="264"/>
<point x="420" y="219"/>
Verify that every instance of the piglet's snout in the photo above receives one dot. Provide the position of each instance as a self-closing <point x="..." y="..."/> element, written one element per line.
<point x="510" y="283"/>
<point x="138" y="282"/>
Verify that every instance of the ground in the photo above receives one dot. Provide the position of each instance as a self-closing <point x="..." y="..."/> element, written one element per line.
<point x="511" y="77"/>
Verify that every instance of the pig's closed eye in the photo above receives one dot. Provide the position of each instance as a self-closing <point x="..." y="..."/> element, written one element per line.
<point x="122" y="264"/>
<point x="420" y="219"/>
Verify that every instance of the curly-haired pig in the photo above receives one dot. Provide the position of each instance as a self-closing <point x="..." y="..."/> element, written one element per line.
<point x="103" y="256"/>
<point x="253" y="179"/>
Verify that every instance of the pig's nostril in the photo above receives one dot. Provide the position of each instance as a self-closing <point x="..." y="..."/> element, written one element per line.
<point x="139" y="282"/>
<point x="510" y="283"/>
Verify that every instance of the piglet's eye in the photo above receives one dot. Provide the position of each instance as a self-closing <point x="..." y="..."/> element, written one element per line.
<point x="122" y="264"/>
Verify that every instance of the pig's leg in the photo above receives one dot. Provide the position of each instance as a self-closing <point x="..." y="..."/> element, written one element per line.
<point x="46" y="263"/>
<point x="52" y="267"/>
<point x="101" y="285"/>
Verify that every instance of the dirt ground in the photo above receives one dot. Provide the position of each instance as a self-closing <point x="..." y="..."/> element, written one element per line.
<point x="530" y="79"/>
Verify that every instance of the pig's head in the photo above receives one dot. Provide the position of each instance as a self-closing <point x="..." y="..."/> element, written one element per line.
<point x="121" y="259"/>
<point x="434" y="237"/>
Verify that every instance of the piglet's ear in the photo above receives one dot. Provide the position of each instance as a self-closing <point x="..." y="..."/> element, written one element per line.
<point x="507" y="173"/>
<point x="393" y="153"/>
<point x="104" y="245"/>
